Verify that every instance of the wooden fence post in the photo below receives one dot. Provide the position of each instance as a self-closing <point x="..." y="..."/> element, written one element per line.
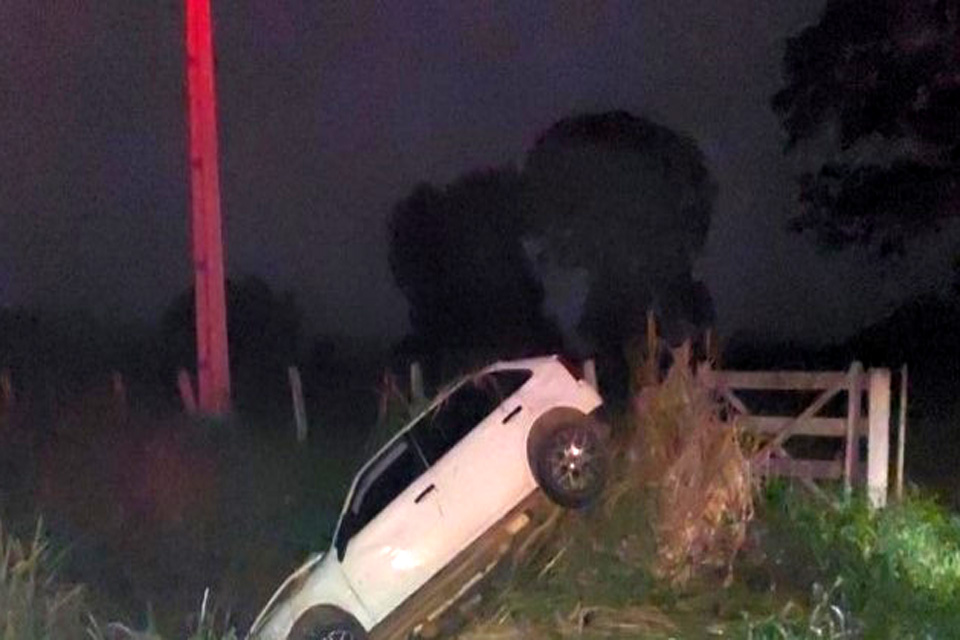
<point x="711" y="348"/>
<point x="590" y="374"/>
<point x="185" y="386"/>
<point x="878" y="444"/>
<point x="851" y="455"/>
<point x="416" y="383"/>
<point x="652" y="365"/>
<point x="901" y="433"/>
<point x="299" y="408"/>
<point x="119" y="392"/>
<point x="6" y="389"/>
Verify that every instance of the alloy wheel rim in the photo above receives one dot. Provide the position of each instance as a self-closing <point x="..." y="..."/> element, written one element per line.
<point x="334" y="634"/>
<point x="573" y="461"/>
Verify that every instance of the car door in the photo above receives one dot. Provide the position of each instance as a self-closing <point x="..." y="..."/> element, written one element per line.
<point x="478" y="454"/>
<point x="391" y="537"/>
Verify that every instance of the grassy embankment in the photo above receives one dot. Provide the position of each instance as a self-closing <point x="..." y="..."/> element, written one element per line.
<point x="683" y="544"/>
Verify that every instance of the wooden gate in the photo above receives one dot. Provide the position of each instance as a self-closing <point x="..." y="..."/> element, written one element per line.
<point x="772" y="459"/>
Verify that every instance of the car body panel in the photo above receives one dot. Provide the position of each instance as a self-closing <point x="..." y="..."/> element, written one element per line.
<point x="477" y="483"/>
<point x="398" y="551"/>
<point x="325" y="584"/>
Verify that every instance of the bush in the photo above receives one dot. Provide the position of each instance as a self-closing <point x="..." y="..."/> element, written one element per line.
<point x="898" y="568"/>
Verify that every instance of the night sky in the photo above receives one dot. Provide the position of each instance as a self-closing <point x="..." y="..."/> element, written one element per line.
<point x="331" y="111"/>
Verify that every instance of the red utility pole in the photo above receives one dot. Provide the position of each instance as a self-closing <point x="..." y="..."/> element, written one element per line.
<point x="213" y="364"/>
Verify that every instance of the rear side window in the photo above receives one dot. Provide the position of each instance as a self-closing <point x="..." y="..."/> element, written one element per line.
<point x="509" y="381"/>
<point x="466" y="408"/>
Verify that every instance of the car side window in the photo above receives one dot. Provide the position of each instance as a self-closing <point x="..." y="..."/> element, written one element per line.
<point x="467" y="407"/>
<point x="393" y="471"/>
<point x="508" y="381"/>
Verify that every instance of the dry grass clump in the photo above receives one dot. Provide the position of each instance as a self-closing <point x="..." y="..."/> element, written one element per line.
<point x="689" y="455"/>
<point x="33" y="605"/>
<point x="634" y="621"/>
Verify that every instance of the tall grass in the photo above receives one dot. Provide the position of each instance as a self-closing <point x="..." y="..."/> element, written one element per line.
<point x="689" y="455"/>
<point x="33" y="604"/>
<point x="36" y="605"/>
<point x="209" y="626"/>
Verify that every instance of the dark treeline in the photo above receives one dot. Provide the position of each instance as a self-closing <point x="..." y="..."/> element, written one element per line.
<point x="622" y="200"/>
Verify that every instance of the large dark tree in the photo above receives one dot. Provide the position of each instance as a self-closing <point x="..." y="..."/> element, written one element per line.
<point x="876" y="83"/>
<point x="456" y="255"/>
<point x="630" y="202"/>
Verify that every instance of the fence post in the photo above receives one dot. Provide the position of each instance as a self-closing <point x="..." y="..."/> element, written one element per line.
<point x="711" y="347"/>
<point x="185" y="386"/>
<point x="416" y="383"/>
<point x="590" y="373"/>
<point x="6" y="389"/>
<point x="851" y="456"/>
<point x="299" y="409"/>
<point x="652" y="365"/>
<point x="901" y="433"/>
<point x="119" y="392"/>
<point x="878" y="444"/>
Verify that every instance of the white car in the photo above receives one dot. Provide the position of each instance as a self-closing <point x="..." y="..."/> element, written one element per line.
<point x="423" y="503"/>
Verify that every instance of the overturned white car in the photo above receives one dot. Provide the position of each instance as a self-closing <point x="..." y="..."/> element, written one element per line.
<point x="419" y="516"/>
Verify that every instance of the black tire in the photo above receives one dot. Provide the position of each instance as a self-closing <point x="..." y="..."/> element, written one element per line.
<point x="570" y="463"/>
<point x="327" y="624"/>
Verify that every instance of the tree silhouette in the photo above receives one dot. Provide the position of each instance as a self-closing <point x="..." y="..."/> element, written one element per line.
<point x="456" y="254"/>
<point x="630" y="202"/>
<point x="877" y="84"/>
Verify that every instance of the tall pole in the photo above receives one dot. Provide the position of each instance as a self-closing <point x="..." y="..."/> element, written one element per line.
<point x="213" y="365"/>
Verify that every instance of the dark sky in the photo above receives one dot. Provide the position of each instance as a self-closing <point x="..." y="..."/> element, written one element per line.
<point x="331" y="111"/>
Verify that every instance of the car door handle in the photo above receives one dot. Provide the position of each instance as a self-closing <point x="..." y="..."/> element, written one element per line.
<point x="424" y="493"/>
<point x="513" y="414"/>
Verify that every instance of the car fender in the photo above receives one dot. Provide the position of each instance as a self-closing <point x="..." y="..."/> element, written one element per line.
<point x="323" y="584"/>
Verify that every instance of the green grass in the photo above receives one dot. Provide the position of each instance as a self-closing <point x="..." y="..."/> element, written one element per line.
<point x="837" y="574"/>
<point x="256" y="503"/>
<point x="897" y="569"/>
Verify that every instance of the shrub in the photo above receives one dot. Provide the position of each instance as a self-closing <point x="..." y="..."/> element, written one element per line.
<point x="898" y="568"/>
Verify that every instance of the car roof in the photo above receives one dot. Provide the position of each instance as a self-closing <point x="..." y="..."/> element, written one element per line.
<point x="532" y="364"/>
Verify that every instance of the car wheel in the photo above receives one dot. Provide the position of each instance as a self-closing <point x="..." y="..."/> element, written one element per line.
<point x="327" y="626"/>
<point x="570" y="463"/>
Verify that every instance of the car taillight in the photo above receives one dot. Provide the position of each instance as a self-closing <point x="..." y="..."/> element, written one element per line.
<point x="572" y="367"/>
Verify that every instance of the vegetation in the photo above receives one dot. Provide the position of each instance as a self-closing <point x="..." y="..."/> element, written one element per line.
<point x="666" y="532"/>
<point x="674" y="549"/>
<point x="896" y="570"/>
<point x="878" y="81"/>
<point x="598" y="186"/>
<point x="594" y="187"/>
<point x="456" y="255"/>
<point x="680" y="546"/>
<point x="34" y="605"/>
